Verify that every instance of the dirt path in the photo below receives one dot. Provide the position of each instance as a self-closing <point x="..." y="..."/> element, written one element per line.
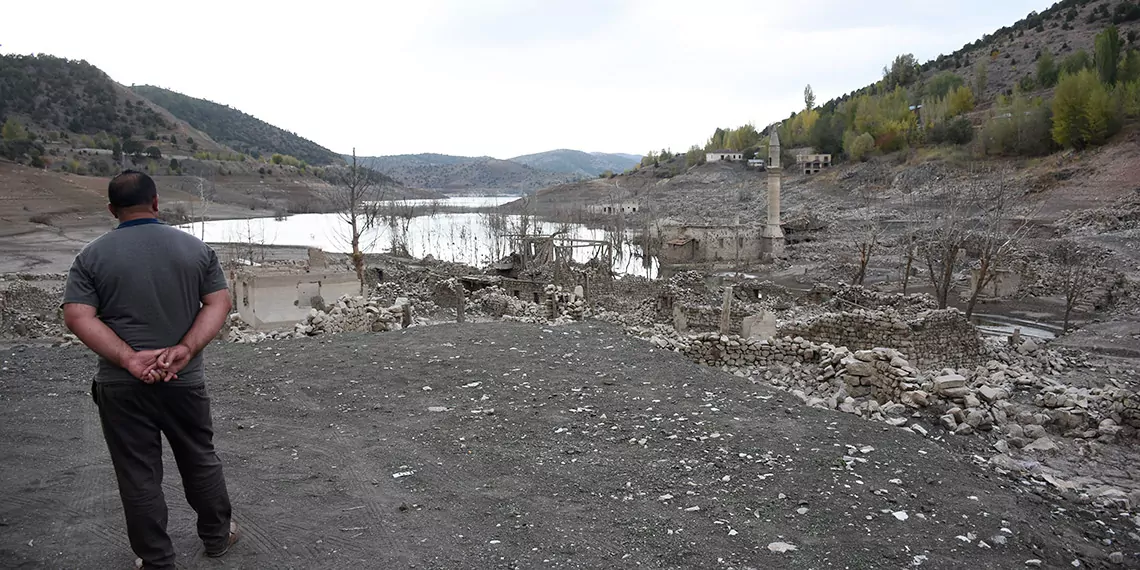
<point x="556" y="447"/>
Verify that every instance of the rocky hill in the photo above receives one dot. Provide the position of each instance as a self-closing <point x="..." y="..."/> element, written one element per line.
<point x="240" y="131"/>
<point x="460" y="173"/>
<point x="586" y="164"/>
<point x="1011" y="53"/>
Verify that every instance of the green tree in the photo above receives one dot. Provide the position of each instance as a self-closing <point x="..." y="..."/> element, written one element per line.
<point x="903" y="71"/>
<point x="943" y="83"/>
<point x="809" y="98"/>
<point x="694" y="156"/>
<point x="1046" y="70"/>
<point x="1107" y="55"/>
<point x="174" y="166"/>
<point x="827" y="135"/>
<point x="1083" y="113"/>
<point x="153" y="152"/>
<point x="117" y="151"/>
<point x="981" y="78"/>
<point x="13" y="131"/>
<point x="174" y="140"/>
<point x="1076" y="62"/>
<point x="1129" y="67"/>
<point x="860" y="147"/>
<point x="960" y="101"/>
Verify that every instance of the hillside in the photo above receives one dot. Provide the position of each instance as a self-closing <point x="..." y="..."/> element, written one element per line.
<point x="578" y="162"/>
<point x="238" y="130"/>
<point x="459" y="173"/>
<point x="1011" y="53"/>
<point x="73" y="103"/>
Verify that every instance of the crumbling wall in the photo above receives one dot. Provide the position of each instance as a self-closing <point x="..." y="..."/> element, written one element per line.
<point x="930" y="338"/>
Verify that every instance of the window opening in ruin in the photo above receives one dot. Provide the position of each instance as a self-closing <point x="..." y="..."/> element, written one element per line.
<point x="518" y="294"/>
<point x="536" y="299"/>
<point x="245" y="294"/>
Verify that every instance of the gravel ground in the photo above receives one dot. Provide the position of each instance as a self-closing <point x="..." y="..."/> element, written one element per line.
<point x="503" y="445"/>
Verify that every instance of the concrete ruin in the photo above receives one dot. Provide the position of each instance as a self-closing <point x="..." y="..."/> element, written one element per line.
<point x="267" y="298"/>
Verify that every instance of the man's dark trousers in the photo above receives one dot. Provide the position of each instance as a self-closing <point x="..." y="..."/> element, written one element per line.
<point x="134" y="416"/>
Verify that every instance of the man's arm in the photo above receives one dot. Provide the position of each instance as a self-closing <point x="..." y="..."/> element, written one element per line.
<point x="215" y="308"/>
<point x="81" y="319"/>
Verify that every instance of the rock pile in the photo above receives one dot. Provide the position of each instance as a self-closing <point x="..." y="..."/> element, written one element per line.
<point x="882" y="373"/>
<point x="28" y="311"/>
<point x="495" y="302"/>
<point x="347" y="314"/>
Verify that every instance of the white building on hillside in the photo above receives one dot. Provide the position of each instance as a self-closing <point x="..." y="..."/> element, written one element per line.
<point x="719" y="155"/>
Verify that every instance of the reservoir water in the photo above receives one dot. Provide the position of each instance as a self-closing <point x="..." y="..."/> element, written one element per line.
<point x="471" y="238"/>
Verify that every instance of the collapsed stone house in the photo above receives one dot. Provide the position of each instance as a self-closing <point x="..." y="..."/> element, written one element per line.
<point x="685" y="244"/>
<point x="269" y="297"/>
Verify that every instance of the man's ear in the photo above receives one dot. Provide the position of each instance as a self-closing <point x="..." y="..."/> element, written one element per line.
<point x="111" y="209"/>
<point x="154" y="203"/>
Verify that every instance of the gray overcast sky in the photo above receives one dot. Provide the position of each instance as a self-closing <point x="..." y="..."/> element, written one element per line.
<point x="503" y="77"/>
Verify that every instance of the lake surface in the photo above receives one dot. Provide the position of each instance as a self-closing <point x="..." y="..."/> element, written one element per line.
<point x="475" y="239"/>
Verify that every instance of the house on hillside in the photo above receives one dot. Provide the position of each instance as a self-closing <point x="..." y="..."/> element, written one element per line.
<point x="813" y="163"/>
<point x="719" y="155"/>
<point x="626" y="207"/>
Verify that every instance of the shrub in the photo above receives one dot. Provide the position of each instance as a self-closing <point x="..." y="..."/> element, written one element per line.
<point x="958" y="131"/>
<point x="1077" y="61"/>
<point x="861" y="147"/>
<point x="153" y="152"/>
<point x="44" y="219"/>
<point x="1046" y="70"/>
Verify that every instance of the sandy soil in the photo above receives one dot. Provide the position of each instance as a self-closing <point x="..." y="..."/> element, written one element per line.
<point x="517" y="446"/>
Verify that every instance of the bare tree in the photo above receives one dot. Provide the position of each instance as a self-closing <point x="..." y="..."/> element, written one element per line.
<point x="865" y="237"/>
<point x="1074" y="273"/>
<point x="940" y="245"/>
<point x="355" y="196"/>
<point x="995" y="234"/>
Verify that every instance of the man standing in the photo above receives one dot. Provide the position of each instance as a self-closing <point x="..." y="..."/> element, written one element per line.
<point x="147" y="298"/>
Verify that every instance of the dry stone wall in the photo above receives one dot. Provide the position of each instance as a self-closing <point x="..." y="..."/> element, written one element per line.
<point x="930" y="338"/>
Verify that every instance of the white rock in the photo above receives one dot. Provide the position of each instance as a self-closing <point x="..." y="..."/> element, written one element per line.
<point x="901" y="515"/>
<point x="781" y="547"/>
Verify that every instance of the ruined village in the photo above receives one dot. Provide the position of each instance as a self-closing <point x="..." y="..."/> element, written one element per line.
<point x="1041" y="411"/>
<point x="896" y="330"/>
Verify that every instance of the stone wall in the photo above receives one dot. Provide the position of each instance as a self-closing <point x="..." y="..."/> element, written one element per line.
<point x="930" y="339"/>
<point x="713" y="349"/>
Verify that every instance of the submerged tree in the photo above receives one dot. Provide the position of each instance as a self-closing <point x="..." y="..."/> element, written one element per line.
<point x="354" y="196"/>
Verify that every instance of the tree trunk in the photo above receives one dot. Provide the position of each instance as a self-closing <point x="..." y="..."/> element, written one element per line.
<point x="983" y="272"/>
<point x="1068" y="310"/>
<point x="909" y="266"/>
<point x="357" y="256"/>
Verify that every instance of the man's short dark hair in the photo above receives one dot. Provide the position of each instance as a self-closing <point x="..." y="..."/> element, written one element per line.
<point x="131" y="188"/>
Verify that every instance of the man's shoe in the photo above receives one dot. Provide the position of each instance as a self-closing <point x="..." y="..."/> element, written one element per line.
<point x="235" y="535"/>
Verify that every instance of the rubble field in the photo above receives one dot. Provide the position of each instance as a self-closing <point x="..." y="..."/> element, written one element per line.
<point x="514" y="445"/>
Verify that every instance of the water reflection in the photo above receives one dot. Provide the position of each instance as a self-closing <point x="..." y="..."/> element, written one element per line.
<point x="471" y="238"/>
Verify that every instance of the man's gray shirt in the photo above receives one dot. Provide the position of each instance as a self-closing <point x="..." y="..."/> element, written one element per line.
<point x="146" y="281"/>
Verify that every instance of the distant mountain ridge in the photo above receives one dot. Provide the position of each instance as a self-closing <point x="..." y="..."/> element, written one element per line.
<point x="236" y="129"/>
<point x="460" y="173"/>
<point x="585" y="164"/>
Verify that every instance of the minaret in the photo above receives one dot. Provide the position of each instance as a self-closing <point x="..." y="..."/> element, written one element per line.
<point x="773" y="234"/>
